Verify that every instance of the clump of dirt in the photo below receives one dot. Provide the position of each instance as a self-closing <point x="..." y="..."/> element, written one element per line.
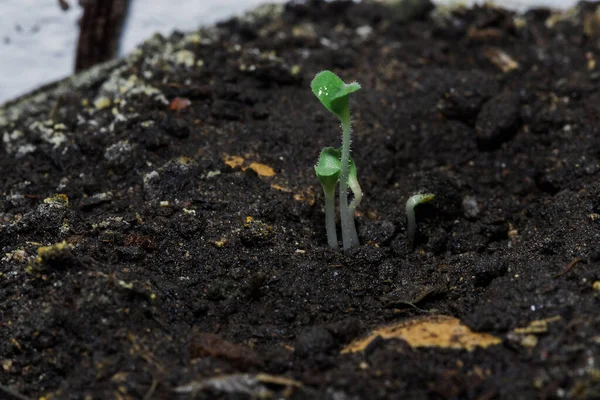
<point x="163" y="235"/>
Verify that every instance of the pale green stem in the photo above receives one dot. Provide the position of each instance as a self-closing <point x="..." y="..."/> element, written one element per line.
<point x="356" y="191"/>
<point x="349" y="236"/>
<point x="411" y="203"/>
<point x="330" y="217"/>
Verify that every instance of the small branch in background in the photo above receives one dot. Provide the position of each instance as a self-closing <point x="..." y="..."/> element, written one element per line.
<point x="12" y="394"/>
<point x="100" y="29"/>
<point x="64" y="5"/>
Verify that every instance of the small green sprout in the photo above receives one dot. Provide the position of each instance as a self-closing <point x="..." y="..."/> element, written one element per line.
<point x="411" y="203"/>
<point x="328" y="172"/>
<point x="333" y="94"/>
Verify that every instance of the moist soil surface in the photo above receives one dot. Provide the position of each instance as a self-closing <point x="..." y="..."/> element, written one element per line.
<point x="162" y="229"/>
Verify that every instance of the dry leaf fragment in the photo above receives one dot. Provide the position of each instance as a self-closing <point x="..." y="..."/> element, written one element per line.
<point x="240" y="162"/>
<point x="431" y="331"/>
<point x="537" y="326"/>
<point x="233" y="161"/>
<point x="262" y="169"/>
<point x="500" y="59"/>
<point x="179" y="103"/>
<point x="249" y="384"/>
<point x="281" y="188"/>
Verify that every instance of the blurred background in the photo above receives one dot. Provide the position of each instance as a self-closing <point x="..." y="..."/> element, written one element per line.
<point x="40" y="39"/>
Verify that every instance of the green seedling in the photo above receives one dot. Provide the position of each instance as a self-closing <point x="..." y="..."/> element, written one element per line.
<point x="328" y="171"/>
<point x="411" y="203"/>
<point x="333" y="94"/>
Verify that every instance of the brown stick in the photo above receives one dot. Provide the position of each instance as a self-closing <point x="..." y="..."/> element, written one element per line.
<point x="100" y="28"/>
<point x="12" y="394"/>
<point x="570" y="267"/>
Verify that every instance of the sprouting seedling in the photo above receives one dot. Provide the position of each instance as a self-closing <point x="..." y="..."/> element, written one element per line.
<point x="328" y="172"/>
<point x="333" y="94"/>
<point x="411" y="203"/>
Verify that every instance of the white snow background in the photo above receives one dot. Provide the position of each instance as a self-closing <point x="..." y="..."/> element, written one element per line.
<point x="38" y="39"/>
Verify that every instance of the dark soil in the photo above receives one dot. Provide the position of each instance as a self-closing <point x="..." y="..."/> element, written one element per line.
<point x="146" y="257"/>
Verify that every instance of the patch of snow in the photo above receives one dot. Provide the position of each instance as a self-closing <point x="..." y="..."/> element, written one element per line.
<point x="38" y="39"/>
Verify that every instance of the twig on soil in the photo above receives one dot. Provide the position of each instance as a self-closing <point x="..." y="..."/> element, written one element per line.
<point x="12" y="394"/>
<point x="55" y="108"/>
<point x="150" y="392"/>
<point x="488" y="395"/>
<point x="570" y="267"/>
<point x="413" y="306"/>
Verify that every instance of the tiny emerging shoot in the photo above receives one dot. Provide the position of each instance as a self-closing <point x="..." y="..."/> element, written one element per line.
<point x="328" y="172"/>
<point x="333" y="94"/>
<point x="411" y="203"/>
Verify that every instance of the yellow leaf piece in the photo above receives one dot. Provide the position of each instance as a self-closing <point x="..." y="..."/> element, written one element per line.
<point x="239" y="162"/>
<point x="15" y="343"/>
<point x="500" y="59"/>
<point x="48" y="252"/>
<point x="57" y="199"/>
<point x="7" y="365"/>
<point x="233" y="161"/>
<point x="529" y="341"/>
<point x="262" y="169"/>
<point x="280" y="188"/>
<point x="307" y="196"/>
<point x="220" y="243"/>
<point x="102" y="102"/>
<point x="432" y="331"/>
<point x="277" y="380"/>
<point x="537" y="326"/>
<point x="120" y="376"/>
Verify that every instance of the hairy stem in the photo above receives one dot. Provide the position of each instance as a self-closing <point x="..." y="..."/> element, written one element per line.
<point x="349" y="236"/>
